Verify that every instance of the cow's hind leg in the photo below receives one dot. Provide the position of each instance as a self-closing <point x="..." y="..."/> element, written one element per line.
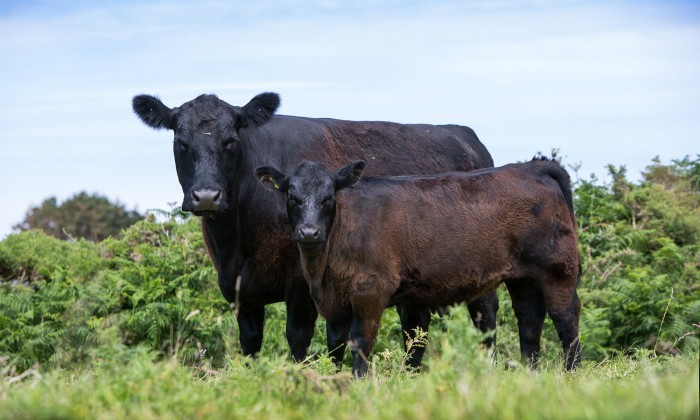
<point x="483" y="313"/>
<point x="301" y="319"/>
<point x="529" y="307"/>
<point x="412" y="317"/>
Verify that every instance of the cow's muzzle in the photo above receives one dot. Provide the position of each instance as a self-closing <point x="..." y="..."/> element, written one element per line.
<point x="206" y="200"/>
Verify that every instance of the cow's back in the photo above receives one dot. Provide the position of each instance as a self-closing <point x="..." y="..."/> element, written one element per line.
<point x="388" y="148"/>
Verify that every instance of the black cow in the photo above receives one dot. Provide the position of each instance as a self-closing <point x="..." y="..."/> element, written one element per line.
<point x="436" y="240"/>
<point x="217" y="146"/>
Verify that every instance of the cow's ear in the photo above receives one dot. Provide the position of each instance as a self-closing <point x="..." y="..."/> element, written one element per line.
<point x="258" y="111"/>
<point x="349" y="175"/>
<point x="153" y="112"/>
<point x="271" y="178"/>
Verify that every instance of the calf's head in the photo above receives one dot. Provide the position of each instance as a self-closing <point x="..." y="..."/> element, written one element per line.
<point x="207" y="143"/>
<point x="310" y="191"/>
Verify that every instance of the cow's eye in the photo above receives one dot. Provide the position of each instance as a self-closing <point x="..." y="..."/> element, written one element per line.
<point x="181" y="143"/>
<point x="229" y="143"/>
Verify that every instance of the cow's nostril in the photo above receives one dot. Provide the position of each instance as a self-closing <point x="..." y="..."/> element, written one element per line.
<point x="204" y="200"/>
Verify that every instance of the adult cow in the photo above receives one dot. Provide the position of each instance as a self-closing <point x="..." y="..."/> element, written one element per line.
<point x="217" y="146"/>
<point x="437" y="240"/>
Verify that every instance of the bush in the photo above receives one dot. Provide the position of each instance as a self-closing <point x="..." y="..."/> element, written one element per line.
<point x="155" y="284"/>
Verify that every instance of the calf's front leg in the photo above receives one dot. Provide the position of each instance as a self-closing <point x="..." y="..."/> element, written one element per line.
<point x="368" y="302"/>
<point x="363" y="335"/>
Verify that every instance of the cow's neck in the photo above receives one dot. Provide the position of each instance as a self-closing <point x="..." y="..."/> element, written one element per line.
<point x="223" y="234"/>
<point x="223" y="229"/>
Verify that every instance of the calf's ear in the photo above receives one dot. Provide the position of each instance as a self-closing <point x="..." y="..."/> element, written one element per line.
<point x="153" y="112"/>
<point x="258" y="111"/>
<point x="349" y="175"/>
<point x="271" y="178"/>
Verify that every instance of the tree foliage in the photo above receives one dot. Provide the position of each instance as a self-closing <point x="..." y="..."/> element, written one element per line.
<point x="641" y="265"/>
<point x="89" y="216"/>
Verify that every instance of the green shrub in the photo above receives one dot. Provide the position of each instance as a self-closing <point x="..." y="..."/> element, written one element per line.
<point x="641" y="277"/>
<point x="155" y="283"/>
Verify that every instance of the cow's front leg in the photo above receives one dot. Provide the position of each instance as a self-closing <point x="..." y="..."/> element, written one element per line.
<point x="337" y="339"/>
<point x="251" y="317"/>
<point x="251" y="320"/>
<point x="301" y="318"/>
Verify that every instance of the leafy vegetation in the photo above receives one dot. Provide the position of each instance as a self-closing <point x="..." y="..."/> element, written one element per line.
<point x="641" y="248"/>
<point x="89" y="216"/>
<point x="137" y="322"/>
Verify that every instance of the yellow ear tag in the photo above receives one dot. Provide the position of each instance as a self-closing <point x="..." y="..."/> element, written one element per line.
<point x="274" y="183"/>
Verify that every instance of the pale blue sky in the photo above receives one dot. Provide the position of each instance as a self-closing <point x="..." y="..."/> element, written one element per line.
<point x="605" y="81"/>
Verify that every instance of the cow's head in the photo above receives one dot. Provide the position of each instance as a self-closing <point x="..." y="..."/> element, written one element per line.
<point x="310" y="191"/>
<point x="206" y="144"/>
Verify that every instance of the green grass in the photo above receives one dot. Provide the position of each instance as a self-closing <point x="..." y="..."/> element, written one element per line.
<point x="461" y="380"/>
<point x="131" y="384"/>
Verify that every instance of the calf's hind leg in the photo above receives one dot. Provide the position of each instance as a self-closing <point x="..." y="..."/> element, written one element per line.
<point x="529" y="307"/>
<point x="412" y="317"/>
<point x="565" y="309"/>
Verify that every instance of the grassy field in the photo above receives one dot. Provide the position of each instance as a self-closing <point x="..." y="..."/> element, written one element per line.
<point x="138" y="388"/>
<point x="460" y="381"/>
